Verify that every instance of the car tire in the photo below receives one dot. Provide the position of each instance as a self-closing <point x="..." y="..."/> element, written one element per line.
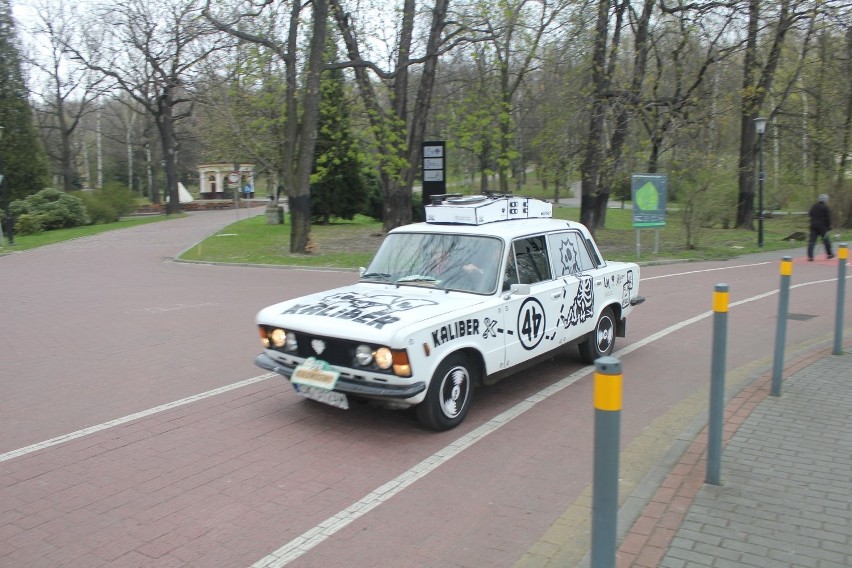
<point x="601" y="341"/>
<point x="450" y="394"/>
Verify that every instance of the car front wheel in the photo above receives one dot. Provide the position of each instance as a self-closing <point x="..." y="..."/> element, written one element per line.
<point x="601" y="341"/>
<point x="450" y="393"/>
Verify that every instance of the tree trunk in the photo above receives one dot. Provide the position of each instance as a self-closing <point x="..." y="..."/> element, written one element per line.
<point x="590" y="168"/>
<point x="622" y="121"/>
<point x="300" y="202"/>
<point x="843" y="162"/>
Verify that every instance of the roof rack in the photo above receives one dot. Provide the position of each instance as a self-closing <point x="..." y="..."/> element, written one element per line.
<point x="484" y="208"/>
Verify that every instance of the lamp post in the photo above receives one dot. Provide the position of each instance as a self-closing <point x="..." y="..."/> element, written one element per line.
<point x="7" y="225"/>
<point x="165" y="181"/>
<point x="760" y="128"/>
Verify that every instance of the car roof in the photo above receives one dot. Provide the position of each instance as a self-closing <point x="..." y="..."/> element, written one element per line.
<point x="509" y="229"/>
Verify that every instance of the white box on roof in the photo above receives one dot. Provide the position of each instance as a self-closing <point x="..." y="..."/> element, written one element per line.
<point x="481" y="209"/>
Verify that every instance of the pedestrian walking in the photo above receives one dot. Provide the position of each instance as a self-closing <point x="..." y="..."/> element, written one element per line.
<point x="820" y="226"/>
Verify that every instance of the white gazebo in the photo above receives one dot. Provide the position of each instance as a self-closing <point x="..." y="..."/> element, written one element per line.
<point x="215" y="180"/>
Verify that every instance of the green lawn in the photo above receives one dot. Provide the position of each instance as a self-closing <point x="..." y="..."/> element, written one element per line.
<point x="350" y="244"/>
<point x="25" y="242"/>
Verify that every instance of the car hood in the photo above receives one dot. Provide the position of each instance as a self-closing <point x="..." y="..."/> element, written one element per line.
<point x="368" y="312"/>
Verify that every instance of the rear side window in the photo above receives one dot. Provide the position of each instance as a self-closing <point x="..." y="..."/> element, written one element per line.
<point x="569" y="254"/>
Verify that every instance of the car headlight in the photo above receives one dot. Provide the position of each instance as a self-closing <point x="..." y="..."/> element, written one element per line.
<point x="290" y="342"/>
<point x="384" y="358"/>
<point x="364" y="355"/>
<point x="278" y="337"/>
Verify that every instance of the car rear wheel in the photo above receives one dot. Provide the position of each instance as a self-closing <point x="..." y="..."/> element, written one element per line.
<point x="601" y="341"/>
<point x="450" y="393"/>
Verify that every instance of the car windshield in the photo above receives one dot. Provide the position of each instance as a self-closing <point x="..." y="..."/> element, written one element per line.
<point x="453" y="262"/>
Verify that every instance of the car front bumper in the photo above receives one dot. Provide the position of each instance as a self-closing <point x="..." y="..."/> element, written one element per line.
<point x="350" y="386"/>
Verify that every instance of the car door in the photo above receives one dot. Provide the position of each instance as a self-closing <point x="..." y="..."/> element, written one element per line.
<point x="531" y="321"/>
<point x="576" y="266"/>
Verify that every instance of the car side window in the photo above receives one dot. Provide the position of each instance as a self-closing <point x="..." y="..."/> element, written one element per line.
<point x="569" y="254"/>
<point x="531" y="260"/>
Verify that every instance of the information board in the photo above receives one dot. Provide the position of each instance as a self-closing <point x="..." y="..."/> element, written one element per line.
<point x="650" y="192"/>
<point x="434" y="169"/>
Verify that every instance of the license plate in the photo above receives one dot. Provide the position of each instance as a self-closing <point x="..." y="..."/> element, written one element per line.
<point x="315" y="373"/>
<point x="331" y="398"/>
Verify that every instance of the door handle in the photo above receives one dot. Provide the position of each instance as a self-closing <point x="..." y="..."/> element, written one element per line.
<point x="555" y="295"/>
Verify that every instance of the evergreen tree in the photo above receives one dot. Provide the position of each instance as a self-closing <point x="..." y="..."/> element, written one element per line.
<point x="337" y="187"/>
<point x="24" y="162"/>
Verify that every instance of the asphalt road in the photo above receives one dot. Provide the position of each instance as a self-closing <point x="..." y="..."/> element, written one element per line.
<point x="136" y="431"/>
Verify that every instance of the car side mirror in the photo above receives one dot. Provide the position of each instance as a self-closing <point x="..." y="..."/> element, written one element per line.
<point x="518" y="290"/>
<point x="361" y="271"/>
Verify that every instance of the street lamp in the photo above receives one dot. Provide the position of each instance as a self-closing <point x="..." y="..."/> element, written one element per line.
<point x="760" y="128"/>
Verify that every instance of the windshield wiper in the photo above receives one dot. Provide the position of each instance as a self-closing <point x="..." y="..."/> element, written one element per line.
<point x="416" y="278"/>
<point x="381" y="275"/>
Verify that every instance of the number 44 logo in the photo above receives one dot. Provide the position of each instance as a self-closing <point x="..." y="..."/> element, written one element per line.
<point x="531" y="323"/>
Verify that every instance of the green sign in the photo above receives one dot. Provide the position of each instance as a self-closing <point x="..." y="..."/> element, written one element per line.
<point x="649" y="200"/>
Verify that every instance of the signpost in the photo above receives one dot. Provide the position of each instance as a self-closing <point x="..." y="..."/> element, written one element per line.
<point x="650" y="192"/>
<point x="434" y="169"/>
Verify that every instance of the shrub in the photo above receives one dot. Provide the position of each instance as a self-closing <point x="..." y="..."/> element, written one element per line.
<point x="29" y="224"/>
<point x="98" y="209"/>
<point x="57" y="209"/>
<point x="107" y="205"/>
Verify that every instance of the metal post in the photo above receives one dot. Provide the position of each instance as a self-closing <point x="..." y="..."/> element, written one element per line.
<point x="842" y="256"/>
<point x="781" y="326"/>
<point x="237" y="190"/>
<point x="7" y="224"/>
<point x="760" y="128"/>
<point x="760" y="176"/>
<point x="717" y="384"/>
<point x="608" y="387"/>
<point x="638" y="244"/>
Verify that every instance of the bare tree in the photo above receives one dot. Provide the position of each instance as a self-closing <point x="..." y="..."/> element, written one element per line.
<point x="68" y="93"/>
<point x="398" y="129"/>
<point x="301" y="103"/>
<point x="151" y="52"/>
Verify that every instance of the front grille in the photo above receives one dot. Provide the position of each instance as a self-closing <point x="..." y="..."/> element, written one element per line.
<point x="340" y="352"/>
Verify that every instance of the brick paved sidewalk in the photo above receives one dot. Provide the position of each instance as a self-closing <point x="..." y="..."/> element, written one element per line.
<point x="786" y="493"/>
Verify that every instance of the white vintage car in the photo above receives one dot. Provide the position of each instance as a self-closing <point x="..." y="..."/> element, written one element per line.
<point x="485" y="287"/>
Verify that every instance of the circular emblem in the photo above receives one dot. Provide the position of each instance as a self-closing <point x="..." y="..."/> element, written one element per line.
<point x="531" y="323"/>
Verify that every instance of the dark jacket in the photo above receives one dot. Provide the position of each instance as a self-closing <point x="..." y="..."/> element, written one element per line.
<point x="820" y="217"/>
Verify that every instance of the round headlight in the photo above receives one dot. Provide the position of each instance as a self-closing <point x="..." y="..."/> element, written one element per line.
<point x="364" y="355"/>
<point x="290" y="343"/>
<point x="384" y="358"/>
<point x="278" y="337"/>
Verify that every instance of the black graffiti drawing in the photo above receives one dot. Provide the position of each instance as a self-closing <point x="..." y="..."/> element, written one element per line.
<point x="583" y="306"/>
<point x="373" y="310"/>
<point x="628" y="286"/>
<point x="569" y="257"/>
<point x="490" y="328"/>
<point x="532" y="323"/>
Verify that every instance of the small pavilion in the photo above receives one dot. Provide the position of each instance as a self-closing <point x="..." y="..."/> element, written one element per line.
<point x="214" y="180"/>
